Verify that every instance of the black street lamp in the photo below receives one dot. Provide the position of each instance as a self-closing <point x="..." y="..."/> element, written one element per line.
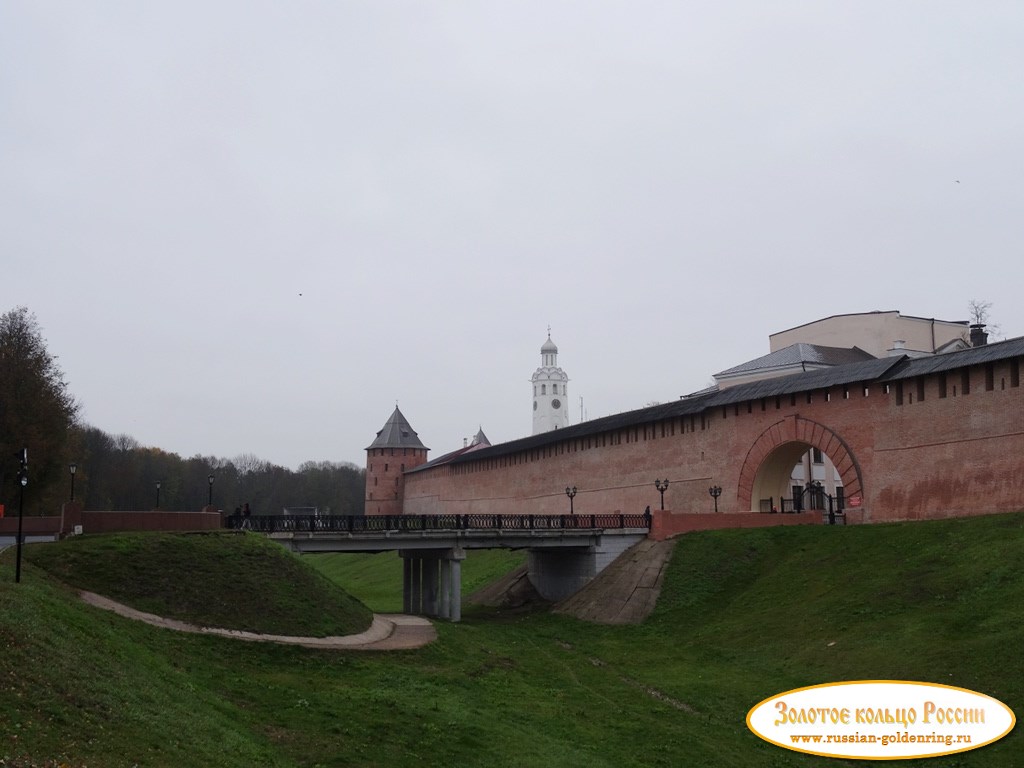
<point x="73" y="468"/>
<point x="23" y="481"/>
<point x="715" y="491"/>
<point x="157" y="494"/>
<point x="209" y="501"/>
<point x="571" y="493"/>
<point x="662" y="486"/>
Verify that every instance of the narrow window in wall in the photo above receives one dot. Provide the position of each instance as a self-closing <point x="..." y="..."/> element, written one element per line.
<point x="764" y="405"/>
<point x="990" y="377"/>
<point x="942" y="385"/>
<point x="385" y="467"/>
<point x="816" y="456"/>
<point x="736" y="409"/>
<point x="899" y="393"/>
<point x="703" y="423"/>
<point x="750" y="407"/>
<point x="724" y="411"/>
<point x="792" y="400"/>
<point x="371" y="498"/>
<point x="828" y="396"/>
<point x="543" y="389"/>
<point x="866" y="390"/>
<point x="920" y="388"/>
<point x="1015" y="373"/>
<point x="846" y="393"/>
<point x="965" y="381"/>
<point x="374" y="480"/>
<point x="778" y="402"/>
<point x="405" y="451"/>
<point x="809" y="398"/>
<point x="403" y="467"/>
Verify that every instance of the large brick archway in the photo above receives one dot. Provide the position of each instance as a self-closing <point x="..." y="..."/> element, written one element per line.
<point x="788" y="438"/>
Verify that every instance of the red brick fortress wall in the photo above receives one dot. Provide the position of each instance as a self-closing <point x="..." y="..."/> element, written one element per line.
<point x="938" y="445"/>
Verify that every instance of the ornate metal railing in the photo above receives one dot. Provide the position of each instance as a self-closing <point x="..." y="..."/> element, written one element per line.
<point x="412" y="523"/>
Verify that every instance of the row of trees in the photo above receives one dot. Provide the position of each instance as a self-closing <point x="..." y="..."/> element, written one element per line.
<point x="114" y="472"/>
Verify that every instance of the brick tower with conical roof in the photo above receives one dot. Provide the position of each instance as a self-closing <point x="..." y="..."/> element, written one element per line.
<point x="397" y="448"/>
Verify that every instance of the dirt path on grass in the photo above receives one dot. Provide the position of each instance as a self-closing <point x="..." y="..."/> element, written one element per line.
<point x="388" y="632"/>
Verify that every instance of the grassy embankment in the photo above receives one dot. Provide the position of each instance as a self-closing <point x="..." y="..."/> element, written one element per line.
<point x="743" y="615"/>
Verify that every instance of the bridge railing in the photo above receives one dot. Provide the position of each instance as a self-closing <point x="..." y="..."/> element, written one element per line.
<point x="412" y="523"/>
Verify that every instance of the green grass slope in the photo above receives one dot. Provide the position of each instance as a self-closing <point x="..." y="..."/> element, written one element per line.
<point x="216" y="579"/>
<point x="743" y="615"/>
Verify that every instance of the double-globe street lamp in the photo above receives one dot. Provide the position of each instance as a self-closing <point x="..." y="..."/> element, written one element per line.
<point x="72" y="467"/>
<point x="209" y="500"/>
<point x="662" y="486"/>
<point x="715" y="491"/>
<point x="571" y="493"/>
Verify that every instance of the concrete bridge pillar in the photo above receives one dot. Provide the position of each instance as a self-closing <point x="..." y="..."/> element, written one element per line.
<point x="560" y="572"/>
<point x="432" y="582"/>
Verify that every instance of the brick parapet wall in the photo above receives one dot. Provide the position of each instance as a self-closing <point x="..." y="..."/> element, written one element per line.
<point x="111" y="522"/>
<point x="666" y="524"/>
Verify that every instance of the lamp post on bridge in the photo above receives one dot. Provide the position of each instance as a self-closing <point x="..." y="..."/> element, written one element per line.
<point x="662" y="486"/>
<point x="72" y="468"/>
<point x="715" y="491"/>
<point x="157" y="494"/>
<point x="571" y="493"/>
<point x="209" y="498"/>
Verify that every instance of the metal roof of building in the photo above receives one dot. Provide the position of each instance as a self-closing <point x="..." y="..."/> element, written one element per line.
<point x="396" y="433"/>
<point x="989" y="353"/>
<point x="800" y="354"/>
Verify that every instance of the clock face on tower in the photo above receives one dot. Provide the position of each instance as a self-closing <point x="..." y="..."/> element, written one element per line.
<point x="556" y="404"/>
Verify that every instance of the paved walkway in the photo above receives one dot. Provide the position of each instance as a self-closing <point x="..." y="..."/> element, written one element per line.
<point x="388" y="632"/>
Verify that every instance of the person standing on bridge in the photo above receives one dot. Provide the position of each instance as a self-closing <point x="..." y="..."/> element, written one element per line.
<point x="246" y="514"/>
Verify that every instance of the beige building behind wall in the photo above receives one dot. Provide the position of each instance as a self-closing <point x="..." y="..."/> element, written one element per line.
<point x="880" y="334"/>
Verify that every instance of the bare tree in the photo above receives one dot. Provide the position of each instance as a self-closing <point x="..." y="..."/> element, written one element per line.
<point x="979" y="310"/>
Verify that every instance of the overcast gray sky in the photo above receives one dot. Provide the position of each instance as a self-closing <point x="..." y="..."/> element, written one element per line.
<point x="255" y="226"/>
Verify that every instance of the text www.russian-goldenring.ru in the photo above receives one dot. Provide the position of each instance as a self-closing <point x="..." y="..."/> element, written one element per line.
<point x="885" y="739"/>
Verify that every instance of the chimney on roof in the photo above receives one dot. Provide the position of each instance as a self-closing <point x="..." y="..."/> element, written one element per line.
<point x="979" y="338"/>
<point x="898" y="345"/>
<point x="465" y="442"/>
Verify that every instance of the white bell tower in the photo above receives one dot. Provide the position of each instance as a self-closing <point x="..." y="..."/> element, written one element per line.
<point x="550" y="391"/>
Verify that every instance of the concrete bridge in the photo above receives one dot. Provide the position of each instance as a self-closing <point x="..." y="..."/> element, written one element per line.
<point x="564" y="551"/>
